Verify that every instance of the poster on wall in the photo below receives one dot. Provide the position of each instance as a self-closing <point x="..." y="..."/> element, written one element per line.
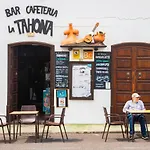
<point x="61" y="97"/>
<point x="102" y="70"/>
<point x="76" y="54"/>
<point x="46" y="101"/>
<point x="61" y="69"/>
<point x="81" y="80"/>
<point x="88" y="54"/>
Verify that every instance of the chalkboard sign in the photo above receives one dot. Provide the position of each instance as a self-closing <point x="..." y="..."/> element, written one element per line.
<point x="61" y="69"/>
<point x="102" y="70"/>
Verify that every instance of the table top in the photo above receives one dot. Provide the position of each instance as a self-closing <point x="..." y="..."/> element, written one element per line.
<point x="24" y="112"/>
<point x="139" y="111"/>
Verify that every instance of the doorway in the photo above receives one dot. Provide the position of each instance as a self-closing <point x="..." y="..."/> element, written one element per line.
<point x="30" y="73"/>
<point x="130" y="71"/>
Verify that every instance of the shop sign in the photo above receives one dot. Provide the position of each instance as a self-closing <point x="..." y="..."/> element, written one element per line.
<point x="76" y="54"/>
<point x="88" y="54"/>
<point x="32" y="25"/>
<point x="62" y="97"/>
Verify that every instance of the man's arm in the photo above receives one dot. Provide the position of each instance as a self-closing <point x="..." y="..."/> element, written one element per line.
<point x="142" y="106"/>
<point x="126" y="107"/>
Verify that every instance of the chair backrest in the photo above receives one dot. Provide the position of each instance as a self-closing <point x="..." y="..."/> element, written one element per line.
<point x="28" y="107"/>
<point x="28" y="118"/>
<point x="62" y="116"/>
<point x="2" y="120"/>
<point x="106" y="115"/>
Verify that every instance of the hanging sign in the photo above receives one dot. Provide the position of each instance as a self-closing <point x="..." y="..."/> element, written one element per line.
<point x="61" y="97"/>
<point x="88" y="54"/>
<point x="76" y="54"/>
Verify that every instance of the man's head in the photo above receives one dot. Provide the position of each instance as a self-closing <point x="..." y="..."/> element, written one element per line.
<point x="135" y="97"/>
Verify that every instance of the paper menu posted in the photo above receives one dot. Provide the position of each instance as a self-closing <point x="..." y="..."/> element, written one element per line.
<point x="107" y="85"/>
<point x="62" y="102"/>
<point x="81" y="80"/>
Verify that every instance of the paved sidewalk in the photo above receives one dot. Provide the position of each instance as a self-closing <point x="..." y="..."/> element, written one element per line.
<point x="80" y="141"/>
<point x="81" y="137"/>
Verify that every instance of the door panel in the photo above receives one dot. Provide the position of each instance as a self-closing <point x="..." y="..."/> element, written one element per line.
<point x="12" y="78"/>
<point x="122" y="98"/>
<point x="130" y="73"/>
<point x="143" y="64"/>
<point x="123" y="63"/>
<point x="124" y="75"/>
<point x="123" y="86"/>
<point x="143" y="52"/>
<point x="143" y="74"/>
<point x="123" y="51"/>
<point x="143" y="86"/>
<point x="121" y="77"/>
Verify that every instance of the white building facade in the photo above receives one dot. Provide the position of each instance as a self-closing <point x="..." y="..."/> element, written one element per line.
<point x="122" y="21"/>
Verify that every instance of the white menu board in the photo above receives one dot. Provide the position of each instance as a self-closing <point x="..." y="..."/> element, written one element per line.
<point x="81" y="80"/>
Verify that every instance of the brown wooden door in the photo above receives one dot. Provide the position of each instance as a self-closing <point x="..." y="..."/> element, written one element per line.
<point x="130" y="70"/>
<point x="12" y="79"/>
<point x="12" y="101"/>
<point x="52" y="79"/>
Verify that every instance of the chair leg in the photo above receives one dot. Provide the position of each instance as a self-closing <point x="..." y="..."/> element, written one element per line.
<point x="9" y="133"/>
<point x="104" y="130"/>
<point x="122" y="131"/>
<point x="4" y="134"/>
<point x="146" y="128"/>
<point x="17" y="130"/>
<point x="20" y="129"/>
<point x="19" y="123"/>
<point x="47" y="131"/>
<point x="65" y="132"/>
<point x="107" y="132"/>
<point x="61" y="134"/>
<point x="42" y="133"/>
<point x="126" y="130"/>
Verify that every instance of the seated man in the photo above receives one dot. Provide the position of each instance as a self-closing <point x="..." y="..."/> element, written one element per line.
<point x="135" y="104"/>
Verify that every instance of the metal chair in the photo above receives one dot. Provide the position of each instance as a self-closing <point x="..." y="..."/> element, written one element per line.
<point x="3" y="123"/>
<point x="112" y="120"/>
<point x="26" y="119"/>
<point x="48" y="122"/>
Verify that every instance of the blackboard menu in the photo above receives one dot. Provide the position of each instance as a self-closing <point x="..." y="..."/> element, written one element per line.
<point x="61" y="69"/>
<point x="102" y="70"/>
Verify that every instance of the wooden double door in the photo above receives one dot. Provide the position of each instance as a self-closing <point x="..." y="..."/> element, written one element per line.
<point x="130" y="72"/>
<point x="13" y="91"/>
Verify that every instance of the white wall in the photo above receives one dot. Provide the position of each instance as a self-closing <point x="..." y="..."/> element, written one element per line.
<point x="123" y="21"/>
<point x="89" y="112"/>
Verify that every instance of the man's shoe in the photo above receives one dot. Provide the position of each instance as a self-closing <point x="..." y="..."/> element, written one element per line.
<point x="144" y="137"/>
<point x="131" y="137"/>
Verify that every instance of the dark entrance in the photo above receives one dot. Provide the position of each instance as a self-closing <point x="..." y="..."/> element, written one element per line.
<point x="30" y="71"/>
<point x="130" y="73"/>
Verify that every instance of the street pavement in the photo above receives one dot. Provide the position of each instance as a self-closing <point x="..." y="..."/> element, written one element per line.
<point x="77" y="141"/>
<point x="87" y="140"/>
